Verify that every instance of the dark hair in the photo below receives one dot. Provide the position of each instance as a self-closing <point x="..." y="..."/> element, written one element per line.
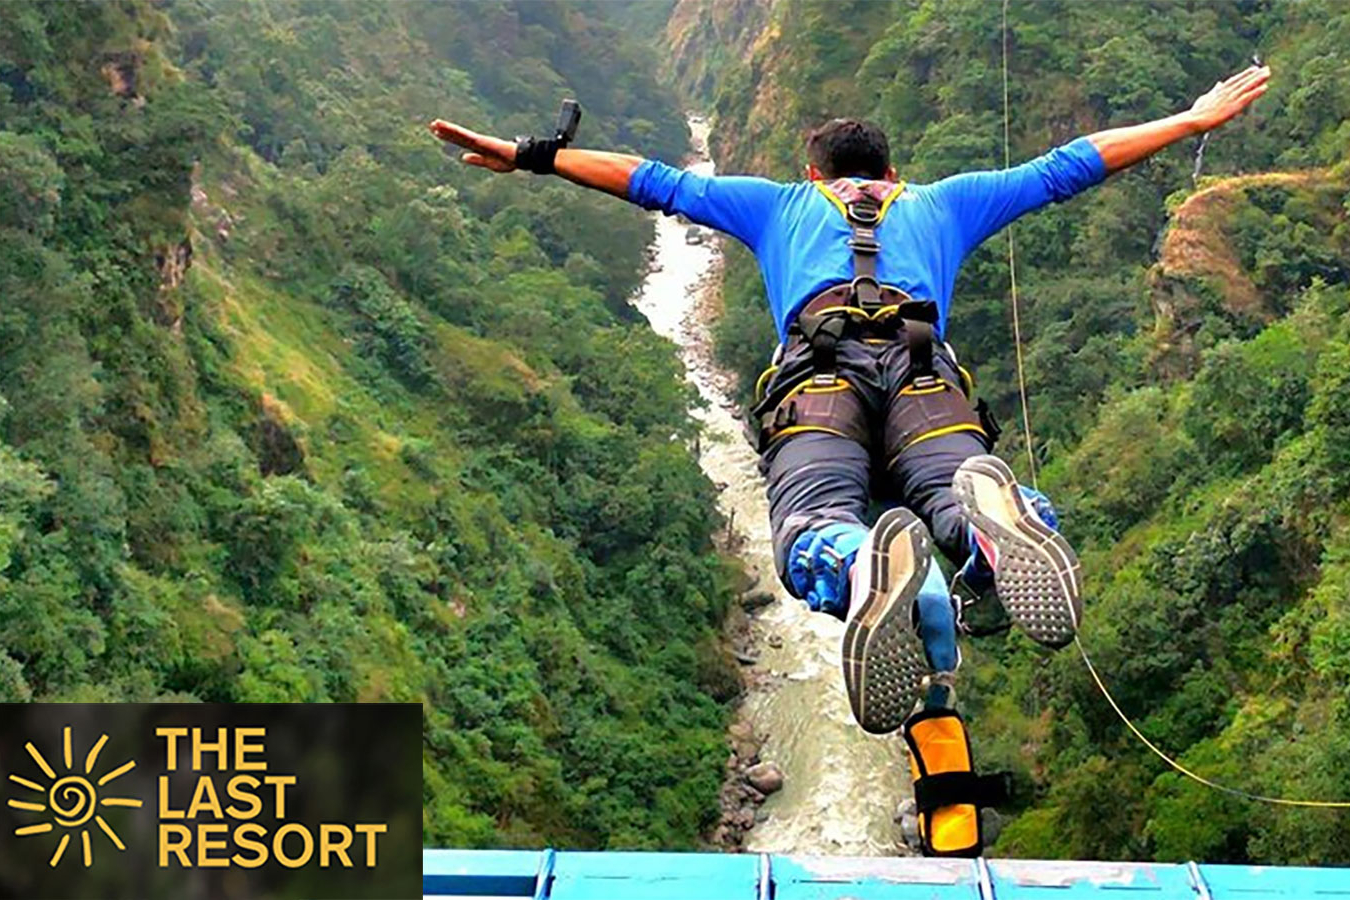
<point x="849" y="148"/>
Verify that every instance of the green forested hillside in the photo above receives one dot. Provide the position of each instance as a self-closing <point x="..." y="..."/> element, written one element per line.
<point x="294" y="407"/>
<point x="1187" y="352"/>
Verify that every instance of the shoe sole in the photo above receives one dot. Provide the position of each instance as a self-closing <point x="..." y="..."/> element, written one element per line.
<point x="1036" y="572"/>
<point x="883" y="659"/>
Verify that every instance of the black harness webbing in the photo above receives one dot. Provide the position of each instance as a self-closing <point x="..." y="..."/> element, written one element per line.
<point x="864" y="215"/>
<point x="932" y="792"/>
<point x="863" y="207"/>
<point x="865" y="310"/>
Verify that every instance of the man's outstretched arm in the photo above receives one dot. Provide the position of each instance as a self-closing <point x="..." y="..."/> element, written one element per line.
<point x="739" y="205"/>
<point x="608" y="172"/>
<point x="1121" y="148"/>
<point x="981" y="203"/>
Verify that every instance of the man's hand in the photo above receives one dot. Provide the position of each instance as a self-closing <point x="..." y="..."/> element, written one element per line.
<point x="1229" y="97"/>
<point x="484" y="150"/>
<point x="1123" y="147"/>
<point x="608" y="172"/>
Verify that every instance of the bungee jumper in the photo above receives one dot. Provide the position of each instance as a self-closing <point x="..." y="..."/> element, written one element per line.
<point x="863" y="390"/>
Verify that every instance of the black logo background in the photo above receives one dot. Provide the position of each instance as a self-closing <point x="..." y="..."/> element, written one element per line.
<point x="354" y="763"/>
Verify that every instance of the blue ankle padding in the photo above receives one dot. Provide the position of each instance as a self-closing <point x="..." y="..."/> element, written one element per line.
<point x="1041" y="503"/>
<point x="819" y="564"/>
<point x="976" y="570"/>
<point x="937" y="621"/>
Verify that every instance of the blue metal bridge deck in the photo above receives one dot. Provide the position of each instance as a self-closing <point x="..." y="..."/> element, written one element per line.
<point x="557" y="875"/>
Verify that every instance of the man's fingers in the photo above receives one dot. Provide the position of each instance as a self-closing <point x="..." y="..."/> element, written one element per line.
<point x="1254" y="93"/>
<point x="495" y="163"/>
<point x="1249" y="76"/>
<point x="477" y="159"/>
<point x="1235" y="82"/>
<point x="1238" y="91"/>
<point x="457" y="134"/>
<point x="1253" y="90"/>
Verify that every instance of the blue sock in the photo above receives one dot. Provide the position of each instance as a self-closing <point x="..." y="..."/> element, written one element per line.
<point x="937" y="621"/>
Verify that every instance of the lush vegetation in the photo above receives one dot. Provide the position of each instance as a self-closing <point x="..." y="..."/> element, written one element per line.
<point x="1187" y="354"/>
<point x="295" y="408"/>
<point x="292" y="407"/>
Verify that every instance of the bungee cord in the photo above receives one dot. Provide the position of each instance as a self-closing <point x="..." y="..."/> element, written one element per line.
<point x="1031" y="462"/>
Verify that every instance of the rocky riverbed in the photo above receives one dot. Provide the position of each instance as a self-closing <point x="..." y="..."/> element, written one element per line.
<point x="836" y="788"/>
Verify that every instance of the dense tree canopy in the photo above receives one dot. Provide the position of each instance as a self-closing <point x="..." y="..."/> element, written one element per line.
<point x="1185" y="350"/>
<point x="293" y="407"/>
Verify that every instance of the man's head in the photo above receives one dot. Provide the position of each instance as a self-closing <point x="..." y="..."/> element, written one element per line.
<point x="844" y="148"/>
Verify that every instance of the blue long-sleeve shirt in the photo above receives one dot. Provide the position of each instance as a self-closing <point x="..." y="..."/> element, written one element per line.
<point x="801" y="239"/>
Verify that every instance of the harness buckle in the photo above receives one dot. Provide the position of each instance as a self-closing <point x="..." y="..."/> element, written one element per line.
<point x="864" y="243"/>
<point x="864" y="213"/>
<point x="823" y="379"/>
<point x="926" y="382"/>
<point x="866" y="293"/>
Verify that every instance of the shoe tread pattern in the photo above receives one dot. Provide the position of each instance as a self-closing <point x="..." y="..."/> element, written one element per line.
<point x="883" y="658"/>
<point x="1037" y="575"/>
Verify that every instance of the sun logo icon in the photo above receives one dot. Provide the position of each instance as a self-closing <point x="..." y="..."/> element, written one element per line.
<point x="71" y="800"/>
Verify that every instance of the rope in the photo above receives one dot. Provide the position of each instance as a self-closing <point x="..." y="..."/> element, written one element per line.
<point x="1012" y="268"/>
<point x="1195" y="776"/>
<point x="1031" y="461"/>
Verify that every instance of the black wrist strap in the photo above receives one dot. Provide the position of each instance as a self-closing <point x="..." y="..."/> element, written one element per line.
<point x="537" y="154"/>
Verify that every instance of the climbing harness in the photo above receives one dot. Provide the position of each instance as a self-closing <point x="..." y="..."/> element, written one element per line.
<point x="1031" y="460"/>
<point x="948" y="795"/>
<point x="865" y="310"/>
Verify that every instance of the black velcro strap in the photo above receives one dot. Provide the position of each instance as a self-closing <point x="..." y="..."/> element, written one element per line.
<point x="537" y="155"/>
<point x="919" y="336"/>
<point x="823" y="333"/>
<point x="932" y="792"/>
<point x="988" y="422"/>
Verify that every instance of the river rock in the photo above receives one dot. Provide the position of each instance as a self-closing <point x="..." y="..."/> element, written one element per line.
<point x="907" y="817"/>
<point x="775" y="641"/>
<point x="765" y="777"/>
<point x="746" y="659"/>
<point x="752" y="600"/>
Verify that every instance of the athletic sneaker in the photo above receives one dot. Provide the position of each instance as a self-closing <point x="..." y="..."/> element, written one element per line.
<point x="1036" y="572"/>
<point x="883" y="655"/>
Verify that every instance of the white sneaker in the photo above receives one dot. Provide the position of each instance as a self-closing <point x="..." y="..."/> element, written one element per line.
<point x="883" y="657"/>
<point x="1036" y="572"/>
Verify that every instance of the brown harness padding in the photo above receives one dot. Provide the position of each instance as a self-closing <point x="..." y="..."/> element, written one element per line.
<point x="864" y="309"/>
<point x="833" y="408"/>
<point x="920" y="413"/>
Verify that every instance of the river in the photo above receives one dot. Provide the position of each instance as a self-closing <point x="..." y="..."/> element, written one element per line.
<point x="842" y="785"/>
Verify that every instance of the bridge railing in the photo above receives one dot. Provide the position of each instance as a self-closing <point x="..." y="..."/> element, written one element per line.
<point x="569" y="875"/>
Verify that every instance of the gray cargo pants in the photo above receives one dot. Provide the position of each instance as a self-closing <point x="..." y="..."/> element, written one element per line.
<point x="816" y="478"/>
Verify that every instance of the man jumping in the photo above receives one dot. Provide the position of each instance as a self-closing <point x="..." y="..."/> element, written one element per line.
<point x="859" y="269"/>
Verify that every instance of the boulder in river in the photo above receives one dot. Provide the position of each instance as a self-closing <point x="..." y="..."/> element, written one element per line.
<point x="765" y="777"/>
<point x="752" y="600"/>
